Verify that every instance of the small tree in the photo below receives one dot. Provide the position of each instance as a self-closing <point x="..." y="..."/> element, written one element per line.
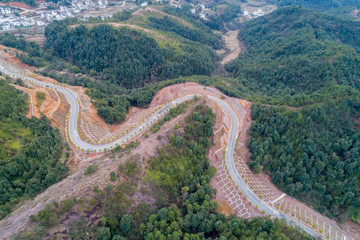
<point x="47" y="216"/>
<point x="258" y="168"/>
<point x="172" y="138"/>
<point x="103" y="233"/>
<point x="126" y="224"/>
<point x="67" y="205"/>
<point x="33" y="218"/>
<point x="179" y="141"/>
<point x="91" y="169"/>
<point x="112" y="176"/>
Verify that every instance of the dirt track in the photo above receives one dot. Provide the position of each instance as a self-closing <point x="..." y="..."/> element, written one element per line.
<point x="234" y="46"/>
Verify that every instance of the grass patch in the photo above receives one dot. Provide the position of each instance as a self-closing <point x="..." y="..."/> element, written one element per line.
<point x="91" y="169"/>
<point x="40" y="98"/>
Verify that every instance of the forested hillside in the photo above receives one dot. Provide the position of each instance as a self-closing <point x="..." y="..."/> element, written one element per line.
<point x="120" y="59"/>
<point x="311" y="60"/>
<point x="33" y="50"/>
<point x="125" y="57"/>
<point x="30" y="150"/>
<point x="167" y="24"/>
<point x="312" y="153"/>
<point x="321" y="5"/>
<point x="294" y="52"/>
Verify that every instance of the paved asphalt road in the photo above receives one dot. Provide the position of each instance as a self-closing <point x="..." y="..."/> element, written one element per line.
<point x="75" y="138"/>
<point x="250" y="195"/>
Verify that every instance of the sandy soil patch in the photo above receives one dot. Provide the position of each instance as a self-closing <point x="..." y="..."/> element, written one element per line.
<point x="234" y="46"/>
<point x="38" y="38"/>
<point x="8" y="55"/>
<point x="225" y="208"/>
<point x="18" y="5"/>
<point x="54" y="106"/>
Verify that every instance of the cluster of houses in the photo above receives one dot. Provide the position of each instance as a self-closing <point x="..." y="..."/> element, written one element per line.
<point x="47" y="16"/>
<point x="6" y="11"/>
<point x="254" y="14"/>
<point x="201" y="9"/>
<point x="47" y="12"/>
<point x="85" y="5"/>
<point x="10" y="18"/>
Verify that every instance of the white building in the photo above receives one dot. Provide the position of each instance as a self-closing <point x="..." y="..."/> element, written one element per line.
<point x="40" y="23"/>
<point x="6" y="26"/>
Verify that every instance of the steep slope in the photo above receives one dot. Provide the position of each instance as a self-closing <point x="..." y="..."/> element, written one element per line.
<point x="30" y="151"/>
<point x="303" y="58"/>
<point x="312" y="153"/>
<point x="130" y="53"/>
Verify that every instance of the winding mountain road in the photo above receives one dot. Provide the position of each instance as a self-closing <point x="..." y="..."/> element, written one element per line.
<point x="250" y="195"/>
<point x="229" y="153"/>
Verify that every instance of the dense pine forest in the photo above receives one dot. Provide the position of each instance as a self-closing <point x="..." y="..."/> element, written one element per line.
<point x="121" y="60"/>
<point x="30" y="151"/>
<point x="33" y="50"/>
<point x="312" y="153"/>
<point x="295" y="54"/>
<point x="123" y="56"/>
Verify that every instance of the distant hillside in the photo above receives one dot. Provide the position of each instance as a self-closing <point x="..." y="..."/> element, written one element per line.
<point x="307" y="59"/>
<point x="124" y="56"/>
<point x="294" y="52"/>
<point x="321" y="5"/>
<point x="118" y="58"/>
